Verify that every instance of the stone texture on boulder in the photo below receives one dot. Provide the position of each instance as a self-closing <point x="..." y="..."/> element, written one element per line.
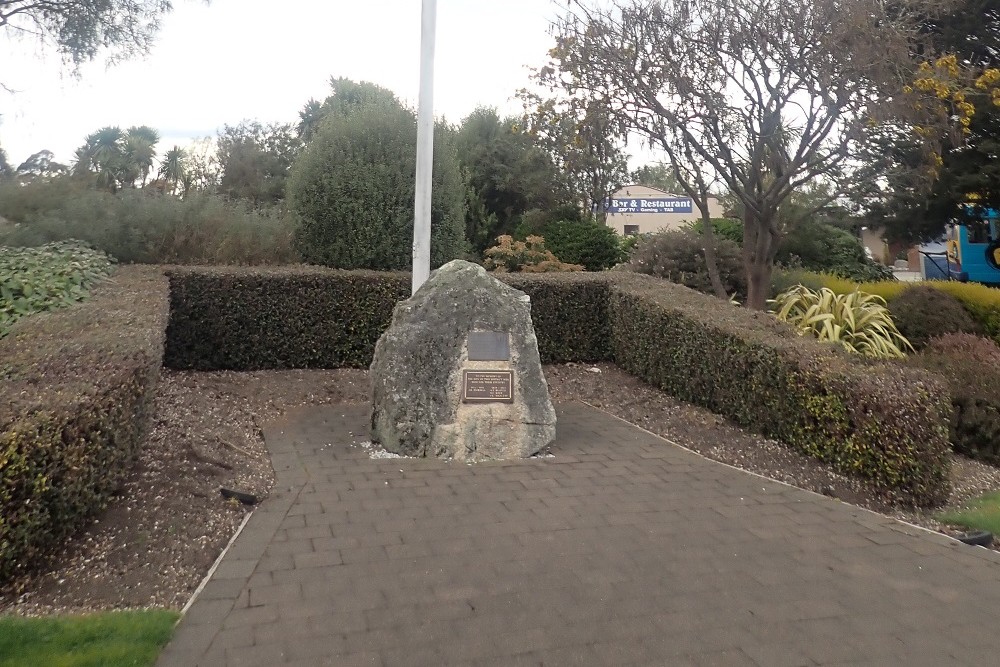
<point x="416" y="373"/>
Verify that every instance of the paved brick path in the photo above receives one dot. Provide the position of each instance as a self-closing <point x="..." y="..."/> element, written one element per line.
<point x="622" y="549"/>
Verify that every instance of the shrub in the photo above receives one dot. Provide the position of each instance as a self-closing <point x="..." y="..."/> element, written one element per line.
<point x="860" y="322"/>
<point x="308" y="317"/>
<point x="595" y="246"/>
<point x="135" y="226"/>
<point x="678" y="256"/>
<point x="529" y="256"/>
<point x="829" y="249"/>
<point x="922" y="312"/>
<point x="884" y="423"/>
<point x="784" y="279"/>
<point x="975" y="420"/>
<point x="724" y="228"/>
<point x="353" y="190"/>
<point x="982" y="302"/>
<point x="38" y="279"/>
<point x="76" y="388"/>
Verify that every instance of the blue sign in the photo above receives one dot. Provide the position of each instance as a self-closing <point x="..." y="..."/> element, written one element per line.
<point x="650" y="205"/>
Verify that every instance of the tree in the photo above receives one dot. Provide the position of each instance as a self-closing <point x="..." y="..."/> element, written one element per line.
<point x="255" y="160"/>
<point x="763" y="96"/>
<point x="508" y="176"/>
<point x="101" y="153"/>
<point x="971" y="32"/>
<point x="173" y="167"/>
<point x="80" y="30"/>
<point x="309" y="118"/>
<point x="658" y="175"/>
<point x="582" y="138"/>
<point x="346" y="96"/>
<point x="6" y="171"/>
<point x="138" y="153"/>
<point x="201" y="167"/>
<point x="38" y="165"/>
<point x="120" y="159"/>
<point x="353" y="189"/>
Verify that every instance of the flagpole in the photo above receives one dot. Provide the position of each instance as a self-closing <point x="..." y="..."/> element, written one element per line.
<point x="425" y="148"/>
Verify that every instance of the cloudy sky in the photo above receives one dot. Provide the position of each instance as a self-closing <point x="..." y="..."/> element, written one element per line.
<point x="238" y="59"/>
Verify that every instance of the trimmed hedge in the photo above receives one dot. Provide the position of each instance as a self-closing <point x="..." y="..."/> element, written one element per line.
<point x="881" y="422"/>
<point x="76" y="390"/>
<point x="312" y="317"/>
<point x="886" y="423"/>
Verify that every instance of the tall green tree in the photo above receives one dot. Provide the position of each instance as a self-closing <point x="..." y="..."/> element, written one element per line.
<point x="101" y="153"/>
<point x="118" y="158"/>
<point x="80" y="30"/>
<point x="582" y="138"/>
<point x="657" y="175"/>
<point x="760" y="95"/>
<point x="255" y="160"/>
<point x="346" y="97"/>
<point x="969" y="172"/>
<point x="508" y="175"/>
<point x="173" y="168"/>
<point x="138" y="154"/>
<point x="38" y="165"/>
<point x="353" y="189"/>
<point x="6" y="171"/>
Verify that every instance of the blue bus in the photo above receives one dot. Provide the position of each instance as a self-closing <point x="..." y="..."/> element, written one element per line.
<point x="973" y="250"/>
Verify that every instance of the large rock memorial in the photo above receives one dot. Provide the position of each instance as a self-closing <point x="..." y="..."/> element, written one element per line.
<point x="457" y="373"/>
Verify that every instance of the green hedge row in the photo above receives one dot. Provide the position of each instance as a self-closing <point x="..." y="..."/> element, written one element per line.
<point x="882" y="422"/>
<point x="308" y="317"/>
<point x="76" y="390"/>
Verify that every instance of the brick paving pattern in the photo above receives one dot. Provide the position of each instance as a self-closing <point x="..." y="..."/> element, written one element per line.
<point x="622" y="549"/>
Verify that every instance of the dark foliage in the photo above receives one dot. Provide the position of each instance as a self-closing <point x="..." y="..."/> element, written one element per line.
<point x="595" y="246"/>
<point x="923" y="312"/>
<point x="880" y="422"/>
<point x="967" y="362"/>
<point x="678" y="256"/>
<point x="319" y="318"/>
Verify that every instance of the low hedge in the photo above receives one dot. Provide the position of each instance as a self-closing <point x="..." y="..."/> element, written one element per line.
<point x="881" y="422"/>
<point x="76" y="390"/>
<point x="311" y="317"/>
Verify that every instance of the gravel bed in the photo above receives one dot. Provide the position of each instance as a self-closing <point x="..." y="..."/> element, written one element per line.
<point x="158" y="538"/>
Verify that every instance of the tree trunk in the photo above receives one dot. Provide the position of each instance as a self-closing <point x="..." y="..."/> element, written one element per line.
<point x="758" y="285"/>
<point x="759" y="247"/>
<point x="708" y="235"/>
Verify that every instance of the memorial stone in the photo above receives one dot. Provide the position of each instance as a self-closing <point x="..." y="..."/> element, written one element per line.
<point x="457" y="373"/>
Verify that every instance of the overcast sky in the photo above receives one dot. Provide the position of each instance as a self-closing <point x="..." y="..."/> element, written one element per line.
<point x="236" y="59"/>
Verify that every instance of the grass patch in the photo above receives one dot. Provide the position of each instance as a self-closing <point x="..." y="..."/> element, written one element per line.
<point x="112" y="639"/>
<point x="983" y="513"/>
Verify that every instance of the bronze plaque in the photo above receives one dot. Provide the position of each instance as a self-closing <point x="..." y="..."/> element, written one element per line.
<point x="489" y="346"/>
<point x="488" y="387"/>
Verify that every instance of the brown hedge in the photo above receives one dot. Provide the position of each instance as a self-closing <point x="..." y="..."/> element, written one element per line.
<point x="883" y="422"/>
<point x="311" y="317"/>
<point x="76" y="390"/>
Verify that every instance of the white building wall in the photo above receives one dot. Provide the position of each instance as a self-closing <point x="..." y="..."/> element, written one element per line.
<point x="644" y="223"/>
